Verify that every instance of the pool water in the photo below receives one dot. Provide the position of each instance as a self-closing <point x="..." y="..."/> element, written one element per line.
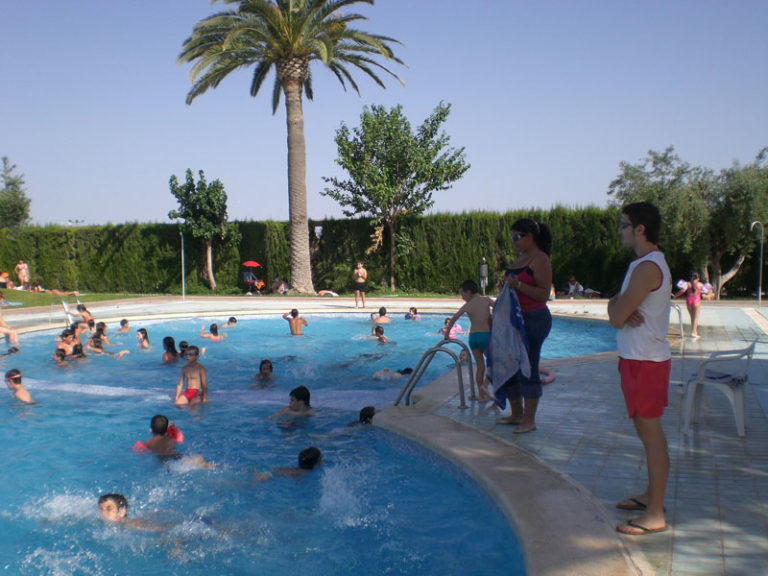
<point x="376" y="506"/>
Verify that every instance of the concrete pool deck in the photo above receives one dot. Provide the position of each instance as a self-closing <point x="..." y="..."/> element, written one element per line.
<point x="558" y="485"/>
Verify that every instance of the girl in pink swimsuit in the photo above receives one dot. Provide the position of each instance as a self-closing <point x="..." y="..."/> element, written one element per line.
<point x="692" y="293"/>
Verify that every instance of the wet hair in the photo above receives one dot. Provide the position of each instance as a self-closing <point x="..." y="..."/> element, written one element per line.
<point x="301" y="393"/>
<point x="60" y="354"/>
<point x="67" y="333"/>
<point x="81" y="308"/>
<point x="294" y="313"/>
<point x="144" y="335"/>
<point x="96" y="342"/>
<point x="382" y="311"/>
<point x="101" y="327"/>
<point x="159" y="425"/>
<point x="124" y="322"/>
<point x="379" y="330"/>
<point x="12" y="350"/>
<point x="169" y="345"/>
<point x="468" y="286"/>
<point x="309" y="458"/>
<point x="91" y="323"/>
<point x="406" y="371"/>
<point x="120" y="501"/>
<point x="183" y="345"/>
<point x="366" y="415"/>
<point x="542" y="236"/>
<point x="646" y="214"/>
<point x="266" y="362"/>
<point x="232" y="320"/>
<point x="213" y="329"/>
<point x="13" y="374"/>
<point x="77" y="351"/>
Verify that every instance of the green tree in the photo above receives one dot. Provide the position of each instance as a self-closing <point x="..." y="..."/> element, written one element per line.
<point x="287" y="35"/>
<point x="14" y="204"/>
<point x="203" y="207"/>
<point x="394" y="171"/>
<point x="706" y="216"/>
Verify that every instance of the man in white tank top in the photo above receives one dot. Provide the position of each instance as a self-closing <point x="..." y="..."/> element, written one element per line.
<point x="641" y="314"/>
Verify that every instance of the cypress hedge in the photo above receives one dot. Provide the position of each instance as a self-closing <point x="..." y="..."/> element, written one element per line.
<point x="434" y="253"/>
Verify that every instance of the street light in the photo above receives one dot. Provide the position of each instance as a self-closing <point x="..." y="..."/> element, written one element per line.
<point x="760" y="269"/>
<point x="183" y="273"/>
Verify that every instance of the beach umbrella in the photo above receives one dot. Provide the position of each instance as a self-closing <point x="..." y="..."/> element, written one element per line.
<point x="251" y="264"/>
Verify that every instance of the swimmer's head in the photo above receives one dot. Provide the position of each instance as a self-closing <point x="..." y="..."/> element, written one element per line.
<point x="266" y="366"/>
<point x="191" y="351"/>
<point x="309" y="458"/>
<point x="406" y="371"/>
<point x="13" y="377"/>
<point x="113" y="507"/>
<point x="142" y="334"/>
<point x="59" y="355"/>
<point x="382" y="311"/>
<point x="301" y="394"/>
<point x="169" y="344"/>
<point x="96" y="342"/>
<point x="91" y="323"/>
<point x="294" y="313"/>
<point x="81" y="308"/>
<point x="213" y="329"/>
<point x="183" y="345"/>
<point x="366" y="414"/>
<point x="159" y="425"/>
<point x="13" y="350"/>
<point x="412" y="310"/>
<point x="101" y="326"/>
<point x="232" y="320"/>
<point x="123" y="323"/>
<point x="379" y="330"/>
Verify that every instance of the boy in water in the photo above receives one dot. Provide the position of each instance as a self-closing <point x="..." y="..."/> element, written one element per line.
<point x="378" y="332"/>
<point x="295" y="322"/>
<point x="382" y="317"/>
<point x="13" y="381"/>
<point x="123" y="327"/>
<point x="195" y="377"/>
<point x="298" y="404"/>
<point x="478" y="308"/>
<point x="114" y="508"/>
<point x="164" y="444"/>
<point x="309" y="459"/>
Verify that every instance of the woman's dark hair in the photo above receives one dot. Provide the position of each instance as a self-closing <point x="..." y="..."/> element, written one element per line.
<point x="169" y="345"/>
<point x="213" y="329"/>
<point x="144" y="335"/>
<point x="540" y="232"/>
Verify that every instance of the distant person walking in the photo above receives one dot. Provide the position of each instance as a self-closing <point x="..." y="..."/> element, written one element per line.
<point x="641" y="313"/>
<point x="359" y="276"/>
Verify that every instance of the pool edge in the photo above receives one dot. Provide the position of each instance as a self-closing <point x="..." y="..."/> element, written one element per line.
<point x="562" y="528"/>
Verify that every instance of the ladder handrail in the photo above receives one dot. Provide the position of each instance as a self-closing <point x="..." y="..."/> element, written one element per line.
<point x="423" y="364"/>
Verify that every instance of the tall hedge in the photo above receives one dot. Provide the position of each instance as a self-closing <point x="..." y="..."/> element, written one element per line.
<point x="434" y="253"/>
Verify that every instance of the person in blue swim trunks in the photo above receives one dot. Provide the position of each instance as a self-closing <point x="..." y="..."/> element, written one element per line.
<point x="479" y="309"/>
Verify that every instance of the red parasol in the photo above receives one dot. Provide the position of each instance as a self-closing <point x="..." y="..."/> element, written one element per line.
<point x="251" y="264"/>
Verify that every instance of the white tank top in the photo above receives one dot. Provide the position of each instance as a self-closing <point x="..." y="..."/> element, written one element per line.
<point x="648" y="341"/>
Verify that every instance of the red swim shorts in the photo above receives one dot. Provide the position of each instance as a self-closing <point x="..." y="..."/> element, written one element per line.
<point x="646" y="386"/>
<point x="191" y="393"/>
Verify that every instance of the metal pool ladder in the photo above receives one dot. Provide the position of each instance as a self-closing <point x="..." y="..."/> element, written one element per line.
<point x="423" y="364"/>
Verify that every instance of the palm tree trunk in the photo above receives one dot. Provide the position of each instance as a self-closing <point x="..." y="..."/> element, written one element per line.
<point x="301" y="270"/>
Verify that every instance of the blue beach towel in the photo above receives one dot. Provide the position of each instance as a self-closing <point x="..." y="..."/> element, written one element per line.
<point x="508" y="346"/>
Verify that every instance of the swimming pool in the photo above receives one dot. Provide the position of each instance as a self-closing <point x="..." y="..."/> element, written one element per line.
<point x="365" y="510"/>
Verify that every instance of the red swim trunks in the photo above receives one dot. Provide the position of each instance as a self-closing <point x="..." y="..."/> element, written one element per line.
<point x="191" y="393"/>
<point x="646" y="386"/>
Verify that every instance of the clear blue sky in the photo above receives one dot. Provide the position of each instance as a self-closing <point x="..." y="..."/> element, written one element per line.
<point x="547" y="98"/>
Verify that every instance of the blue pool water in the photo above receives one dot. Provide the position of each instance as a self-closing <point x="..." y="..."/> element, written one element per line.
<point x="377" y="505"/>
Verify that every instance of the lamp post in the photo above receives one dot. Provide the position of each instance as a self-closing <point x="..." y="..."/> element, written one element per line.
<point x="183" y="273"/>
<point x="760" y="269"/>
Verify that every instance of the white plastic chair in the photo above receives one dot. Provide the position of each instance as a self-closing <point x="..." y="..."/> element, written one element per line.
<point x="730" y="383"/>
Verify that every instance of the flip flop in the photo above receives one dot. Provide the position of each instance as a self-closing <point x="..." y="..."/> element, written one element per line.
<point x="632" y="528"/>
<point x="631" y="504"/>
<point x="524" y="429"/>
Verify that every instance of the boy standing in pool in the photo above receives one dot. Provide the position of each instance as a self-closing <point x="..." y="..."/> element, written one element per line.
<point x="295" y="322"/>
<point x="478" y="308"/>
<point x="13" y="381"/>
<point x="195" y="378"/>
<point x="641" y="313"/>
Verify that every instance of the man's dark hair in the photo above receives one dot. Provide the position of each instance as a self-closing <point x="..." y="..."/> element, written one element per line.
<point x="646" y="214"/>
<point x="309" y="458"/>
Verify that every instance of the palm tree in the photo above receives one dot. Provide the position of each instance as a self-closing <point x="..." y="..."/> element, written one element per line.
<point x="289" y="35"/>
